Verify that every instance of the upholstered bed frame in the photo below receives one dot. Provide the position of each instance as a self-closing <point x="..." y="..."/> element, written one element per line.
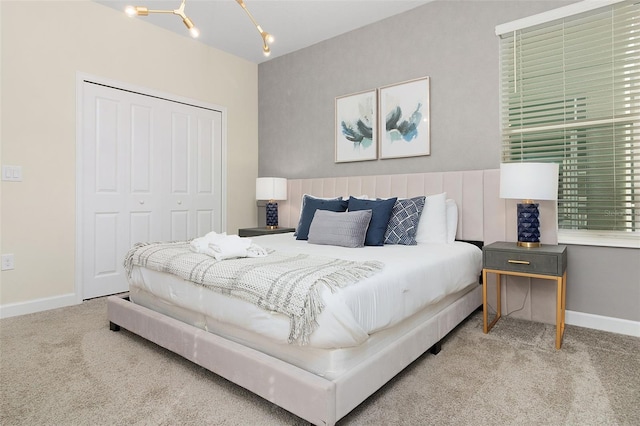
<point x="314" y="398"/>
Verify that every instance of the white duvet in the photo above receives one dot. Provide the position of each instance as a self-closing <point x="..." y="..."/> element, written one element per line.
<point x="413" y="277"/>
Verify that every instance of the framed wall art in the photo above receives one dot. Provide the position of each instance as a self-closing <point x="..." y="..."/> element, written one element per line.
<point x="404" y="119"/>
<point x="356" y="127"/>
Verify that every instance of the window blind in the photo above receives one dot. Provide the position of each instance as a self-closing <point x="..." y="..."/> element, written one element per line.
<point x="570" y="94"/>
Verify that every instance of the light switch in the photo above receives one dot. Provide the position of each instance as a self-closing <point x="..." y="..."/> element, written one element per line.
<point x="12" y="173"/>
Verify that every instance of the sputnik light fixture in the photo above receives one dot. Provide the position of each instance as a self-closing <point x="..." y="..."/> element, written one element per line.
<point x="267" y="38"/>
<point x="143" y="11"/>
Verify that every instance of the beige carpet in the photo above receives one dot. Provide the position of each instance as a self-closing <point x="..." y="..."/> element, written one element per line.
<point x="64" y="367"/>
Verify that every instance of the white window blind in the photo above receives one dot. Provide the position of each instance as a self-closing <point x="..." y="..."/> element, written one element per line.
<point x="570" y="94"/>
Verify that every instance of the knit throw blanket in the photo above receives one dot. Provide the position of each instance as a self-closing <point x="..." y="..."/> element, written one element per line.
<point x="284" y="283"/>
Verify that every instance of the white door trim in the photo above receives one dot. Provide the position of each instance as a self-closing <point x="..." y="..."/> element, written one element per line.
<point x="81" y="78"/>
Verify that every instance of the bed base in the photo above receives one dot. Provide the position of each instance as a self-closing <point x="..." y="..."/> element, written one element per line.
<point x="309" y="396"/>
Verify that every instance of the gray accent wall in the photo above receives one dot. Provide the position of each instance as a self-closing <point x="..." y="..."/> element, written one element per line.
<point x="454" y="43"/>
<point x="604" y="281"/>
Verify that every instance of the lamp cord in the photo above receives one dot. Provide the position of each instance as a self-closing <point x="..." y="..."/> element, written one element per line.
<point x="516" y="310"/>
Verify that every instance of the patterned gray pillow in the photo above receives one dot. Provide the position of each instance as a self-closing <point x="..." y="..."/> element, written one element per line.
<point x="404" y="220"/>
<point x="346" y="229"/>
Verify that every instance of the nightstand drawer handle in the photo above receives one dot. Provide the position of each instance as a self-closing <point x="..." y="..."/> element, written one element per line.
<point x="519" y="262"/>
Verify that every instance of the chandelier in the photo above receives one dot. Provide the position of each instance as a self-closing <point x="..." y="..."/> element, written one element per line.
<point x="267" y="38"/>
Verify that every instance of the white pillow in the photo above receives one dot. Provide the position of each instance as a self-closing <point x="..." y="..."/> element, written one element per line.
<point x="452" y="219"/>
<point x="432" y="227"/>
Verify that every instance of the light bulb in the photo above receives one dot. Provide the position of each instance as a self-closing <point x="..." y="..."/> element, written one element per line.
<point x="192" y="28"/>
<point x="130" y="11"/>
<point x="269" y="38"/>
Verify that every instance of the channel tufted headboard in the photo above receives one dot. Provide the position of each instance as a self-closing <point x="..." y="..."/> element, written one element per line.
<point x="482" y="214"/>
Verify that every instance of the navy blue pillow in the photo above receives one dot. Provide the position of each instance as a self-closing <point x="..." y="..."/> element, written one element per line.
<point x="310" y="205"/>
<point x="380" y="215"/>
<point x="403" y="224"/>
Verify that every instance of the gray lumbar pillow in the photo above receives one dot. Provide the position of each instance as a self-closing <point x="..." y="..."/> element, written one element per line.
<point x="346" y="229"/>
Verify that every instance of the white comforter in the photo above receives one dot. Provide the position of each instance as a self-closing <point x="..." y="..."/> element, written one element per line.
<point x="413" y="277"/>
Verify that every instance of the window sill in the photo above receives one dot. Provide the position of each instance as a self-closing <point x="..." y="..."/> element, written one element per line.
<point x="599" y="238"/>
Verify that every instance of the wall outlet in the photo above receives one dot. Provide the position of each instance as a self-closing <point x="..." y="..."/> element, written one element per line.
<point x="7" y="262"/>
<point x="12" y="174"/>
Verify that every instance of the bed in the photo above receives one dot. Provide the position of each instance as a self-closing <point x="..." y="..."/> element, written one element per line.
<point x="353" y="352"/>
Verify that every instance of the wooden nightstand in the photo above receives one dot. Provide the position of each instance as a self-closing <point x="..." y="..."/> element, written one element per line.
<point x="263" y="230"/>
<point x="546" y="262"/>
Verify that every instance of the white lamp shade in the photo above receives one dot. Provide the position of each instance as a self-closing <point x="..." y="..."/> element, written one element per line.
<point x="529" y="181"/>
<point x="271" y="188"/>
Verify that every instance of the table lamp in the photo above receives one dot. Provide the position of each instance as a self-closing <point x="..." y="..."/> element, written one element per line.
<point x="271" y="189"/>
<point x="528" y="182"/>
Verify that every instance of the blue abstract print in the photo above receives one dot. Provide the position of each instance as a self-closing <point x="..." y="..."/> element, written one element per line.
<point x="398" y="129"/>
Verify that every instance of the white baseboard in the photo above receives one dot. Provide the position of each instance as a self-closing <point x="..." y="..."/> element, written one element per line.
<point x="598" y="322"/>
<point x="38" y="305"/>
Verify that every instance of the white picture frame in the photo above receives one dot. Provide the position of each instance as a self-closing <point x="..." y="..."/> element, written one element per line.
<point x="404" y="126"/>
<point x="356" y="128"/>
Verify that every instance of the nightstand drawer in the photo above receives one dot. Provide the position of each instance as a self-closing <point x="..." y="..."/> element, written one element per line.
<point x="255" y="232"/>
<point x="544" y="264"/>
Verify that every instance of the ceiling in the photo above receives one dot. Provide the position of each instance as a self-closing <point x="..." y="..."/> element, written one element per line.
<point x="295" y="24"/>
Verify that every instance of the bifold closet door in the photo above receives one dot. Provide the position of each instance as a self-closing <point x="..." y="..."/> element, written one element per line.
<point x="151" y="171"/>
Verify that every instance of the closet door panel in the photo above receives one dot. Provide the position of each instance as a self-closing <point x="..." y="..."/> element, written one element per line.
<point x="141" y="150"/>
<point x="204" y="146"/>
<point x="180" y="141"/>
<point x="179" y="230"/>
<point x="106" y="164"/>
<point x="104" y="222"/>
<point x="151" y="171"/>
<point x="140" y="225"/>
<point x="106" y="253"/>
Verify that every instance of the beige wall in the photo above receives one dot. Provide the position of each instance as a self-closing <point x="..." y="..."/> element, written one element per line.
<point x="44" y="45"/>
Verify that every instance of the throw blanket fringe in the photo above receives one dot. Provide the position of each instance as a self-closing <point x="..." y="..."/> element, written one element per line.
<point x="284" y="283"/>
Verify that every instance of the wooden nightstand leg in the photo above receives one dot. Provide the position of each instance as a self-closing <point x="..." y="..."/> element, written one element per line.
<point x="560" y="309"/>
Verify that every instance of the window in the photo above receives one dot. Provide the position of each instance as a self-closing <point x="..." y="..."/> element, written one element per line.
<point x="570" y="94"/>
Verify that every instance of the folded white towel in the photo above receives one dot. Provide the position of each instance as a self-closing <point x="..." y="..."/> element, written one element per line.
<point x="230" y="247"/>
<point x="202" y="243"/>
<point x="223" y="246"/>
<point x="255" y="250"/>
